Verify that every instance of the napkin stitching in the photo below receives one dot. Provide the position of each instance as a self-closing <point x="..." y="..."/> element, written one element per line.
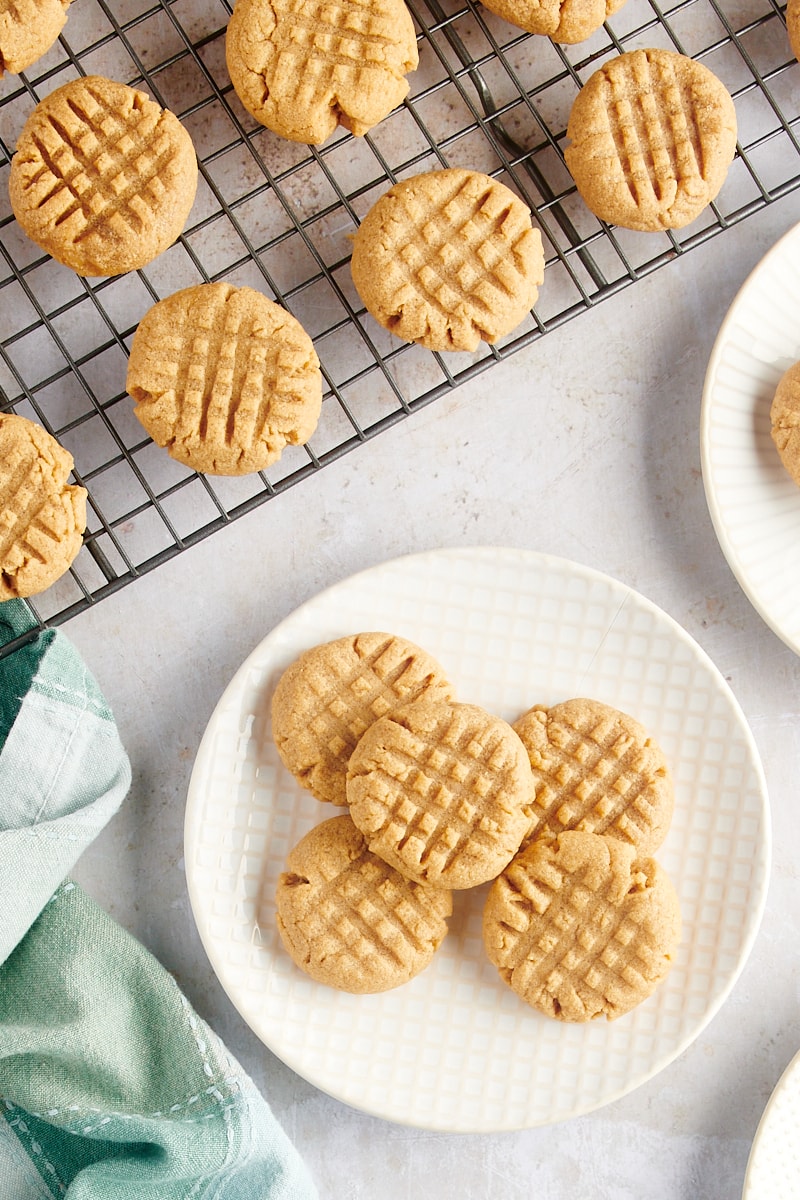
<point x="64" y="756"/>
<point x="17" y="1123"/>
<point x="214" y="1092"/>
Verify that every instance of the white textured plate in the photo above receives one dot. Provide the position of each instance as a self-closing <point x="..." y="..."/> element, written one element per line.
<point x="754" y="505"/>
<point x="773" y="1169"/>
<point x="455" y="1049"/>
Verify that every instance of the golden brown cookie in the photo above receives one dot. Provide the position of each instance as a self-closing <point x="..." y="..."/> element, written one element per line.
<point x="103" y="179"/>
<point x="580" y="928"/>
<point x="793" y="26"/>
<point x="448" y="258"/>
<point x="652" y="134"/>
<point x="598" y="770"/>
<point x="224" y="378"/>
<point x="566" y="21"/>
<point x="349" y="920"/>
<point x="785" y="420"/>
<point x="28" y="28"/>
<point x="301" y="69"/>
<point x="43" y="517"/>
<point x="441" y="792"/>
<point x="331" y="694"/>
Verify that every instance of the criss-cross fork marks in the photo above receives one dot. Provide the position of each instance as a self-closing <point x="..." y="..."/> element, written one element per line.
<point x="368" y="910"/>
<point x="350" y="697"/>
<point x="653" y="125"/>
<point x="562" y="931"/>
<point x="25" y="533"/>
<point x="441" y="791"/>
<point x="100" y="166"/>
<point x="468" y="251"/>
<point x="597" y="779"/>
<point x="230" y="377"/>
<point x="331" y="40"/>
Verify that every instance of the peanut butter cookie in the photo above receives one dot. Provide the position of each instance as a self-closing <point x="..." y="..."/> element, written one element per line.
<point x="441" y="792"/>
<point x="351" y="921"/>
<point x="579" y="927"/>
<point x="224" y="378"/>
<point x="448" y="258"/>
<point x="302" y="69"/>
<point x="28" y="28"/>
<point x="103" y="179"/>
<point x="331" y="695"/>
<point x="598" y="770"/>
<point x="652" y="134"/>
<point x="566" y="21"/>
<point x="785" y="420"/>
<point x="43" y="517"/>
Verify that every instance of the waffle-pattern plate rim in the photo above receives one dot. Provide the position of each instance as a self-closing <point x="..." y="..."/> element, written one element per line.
<point x="753" y="502"/>
<point x="455" y="1050"/>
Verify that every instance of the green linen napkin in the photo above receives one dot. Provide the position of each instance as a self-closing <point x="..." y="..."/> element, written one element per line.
<point x="111" y="1086"/>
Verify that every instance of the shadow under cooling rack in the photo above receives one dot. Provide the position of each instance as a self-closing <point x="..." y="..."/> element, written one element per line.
<point x="278" y="216"/>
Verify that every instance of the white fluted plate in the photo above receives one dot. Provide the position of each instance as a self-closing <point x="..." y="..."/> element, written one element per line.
<point x="455" y="1049"/>
<point x="754" y="503"/>
<point x="773" y="1168"/>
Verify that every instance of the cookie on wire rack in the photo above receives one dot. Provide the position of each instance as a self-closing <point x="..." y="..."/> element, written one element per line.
<point x="565" y="21"/>
<point x="447" y="259"/>
<point x="441" y="791"/>
<point x="42" y="517"/>
<point x="349" y="920"/>
<point x="793" y="26"/>
<point x="224" y="378"/>
<point x="598" y="770"/>
<point x="103" y="179"/>
<point x="580" y="928"/>
<point x="28" y="28"/>
<point x="304" y="67"/>
<point x="328" y="697"/>
<point x="651" y="136"/>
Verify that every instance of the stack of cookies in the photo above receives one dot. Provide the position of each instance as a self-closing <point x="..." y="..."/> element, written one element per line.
<point x="560" y="813"/>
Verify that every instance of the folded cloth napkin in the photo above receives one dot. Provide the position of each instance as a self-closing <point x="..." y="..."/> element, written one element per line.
<point x="111" y="1087"/>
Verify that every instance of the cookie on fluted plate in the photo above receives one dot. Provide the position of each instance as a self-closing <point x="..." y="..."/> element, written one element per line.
<point x="448" y="258"/>
<point x="303" y="69"/>
<point x="580" y="927"/>
<point x="224" y="378"/>
<point x="784" y="416"/>
<point x="103" y="178"/>
<point x="42" y="516"/>
<point x="441" y="791"/>
<point x="349" y="920"/>
<point x="651" y="136"/>
<point x="328" y="697"/>
<point x="598" y="770"/>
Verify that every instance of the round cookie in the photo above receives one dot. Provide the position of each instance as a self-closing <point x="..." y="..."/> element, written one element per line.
<point x="43" y="517"/>
<point x="580" y="928"/>
<point x="793" y="26"/>
<point x="331" y="694"/>
<point x="224" y="378"/>
<point x="652" y="134"/>
<point x="448" y="258"/>
<point x="598" y="770"/>
<point x="784" y="417"/>
<point x="103" y="179"/>
<point x="440" y="791"/>
<point x="565" y="21"/>
<point x="28" y="28"/>
<point x="349" y="920"/>
<point x="303" y="69"/>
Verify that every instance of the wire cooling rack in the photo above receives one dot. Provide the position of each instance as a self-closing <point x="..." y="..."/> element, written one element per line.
<point x="278" y="216"/>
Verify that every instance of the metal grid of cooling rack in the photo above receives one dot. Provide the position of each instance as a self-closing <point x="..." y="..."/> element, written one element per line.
<point x="278" y="216"/>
